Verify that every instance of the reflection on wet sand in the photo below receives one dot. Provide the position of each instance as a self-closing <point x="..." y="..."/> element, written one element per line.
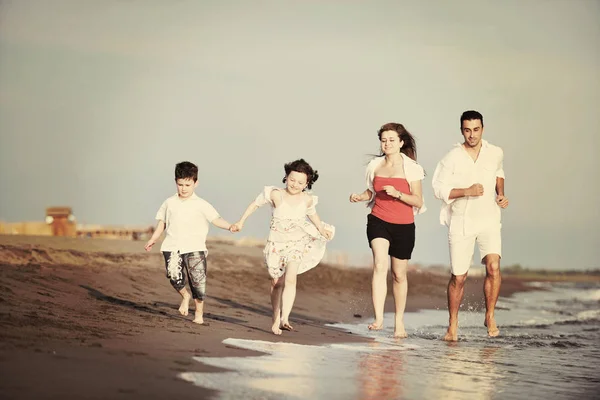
<point x="381" y="373"/>
<point x="465" y="372"/>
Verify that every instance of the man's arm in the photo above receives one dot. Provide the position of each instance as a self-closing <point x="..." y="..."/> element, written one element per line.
<point x="443" y="185"/>
<point x="500" y="198"/>
<point x="221" y="223"/>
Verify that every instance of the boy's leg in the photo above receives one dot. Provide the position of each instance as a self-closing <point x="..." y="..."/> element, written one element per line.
<point x="289" y="294"/>
<point x="276" y="291"/>
<point x="196" y="268"/>
<point x="174" y="267"/>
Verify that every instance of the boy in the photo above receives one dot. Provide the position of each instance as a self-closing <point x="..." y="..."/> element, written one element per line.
<point x="186" y="218"/>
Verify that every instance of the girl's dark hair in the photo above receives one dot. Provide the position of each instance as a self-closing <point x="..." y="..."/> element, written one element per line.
<point x="186" y="170"/>
<point x="409" y="147"/>
<point x="302" y="167"/>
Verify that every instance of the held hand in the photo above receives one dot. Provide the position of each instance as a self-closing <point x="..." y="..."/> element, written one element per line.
<point x="355" y="198"/>
<point x="149" y="245"/>
<point x="502" y="201"/>
<point x="391" y="191"/>
<point x="475" y="190"/>
<point x="237" y="227"/>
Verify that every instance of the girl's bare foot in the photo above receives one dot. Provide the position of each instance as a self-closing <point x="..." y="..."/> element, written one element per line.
<point x="376" y="326"/>
<point x="275" y="328"/>
<point x="286" y="326"/>
<point x="185" y="304"/>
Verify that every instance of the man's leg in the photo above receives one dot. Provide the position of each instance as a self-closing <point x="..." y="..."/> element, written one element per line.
<point x="400" y="289"/>
<point x="380" y="248"/>
<point x="456" y="290"/>
<point x="276" y="291"/>
<point x="490" y="248"/>
<point x="461" y="255"/>
<point x="491" y="290"/>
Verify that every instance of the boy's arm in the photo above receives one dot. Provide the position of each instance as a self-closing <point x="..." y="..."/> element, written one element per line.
<point x="221" y="223"/>
<point x="160" y="228"/>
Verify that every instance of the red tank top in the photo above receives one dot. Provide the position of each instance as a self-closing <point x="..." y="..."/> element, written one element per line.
<point x="389" y="208"/>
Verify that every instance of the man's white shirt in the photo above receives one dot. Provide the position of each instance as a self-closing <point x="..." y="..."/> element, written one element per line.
<point x="457" y="170"/>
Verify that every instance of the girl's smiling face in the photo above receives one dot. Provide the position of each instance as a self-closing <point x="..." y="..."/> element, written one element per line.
<point x="296" y="182"/>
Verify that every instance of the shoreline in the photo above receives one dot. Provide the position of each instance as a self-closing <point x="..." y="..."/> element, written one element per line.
<point x="93" y="317"/>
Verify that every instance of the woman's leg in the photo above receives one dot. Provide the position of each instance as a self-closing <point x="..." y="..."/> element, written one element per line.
<point x="380" y="247"/>
<point x="400" y="289"/>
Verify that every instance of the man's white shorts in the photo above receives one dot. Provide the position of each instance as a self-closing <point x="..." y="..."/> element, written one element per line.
<point x="462" y="248"/>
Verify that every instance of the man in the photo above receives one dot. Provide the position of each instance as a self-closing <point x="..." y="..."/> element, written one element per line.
<point x="470" y="182"/>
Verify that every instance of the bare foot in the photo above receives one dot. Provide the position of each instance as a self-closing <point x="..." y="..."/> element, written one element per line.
<point x="376" y="326"/>
<point x="451" y="334"/>
<point x="399" y="331"/>
<point x="492" y="328"/>
<point x="275" y="328"/>
<point x="199" y="317"/>
<point x="185" y="304"/>
<point x="286" y="326"/>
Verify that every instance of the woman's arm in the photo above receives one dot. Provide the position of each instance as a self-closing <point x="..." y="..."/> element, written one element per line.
<point x="414" y="198"/>
<point x="364" y="196"/>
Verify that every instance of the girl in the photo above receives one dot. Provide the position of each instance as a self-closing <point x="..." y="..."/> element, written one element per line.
<point x="394" y="194"/>
<point x="294" y="245"/>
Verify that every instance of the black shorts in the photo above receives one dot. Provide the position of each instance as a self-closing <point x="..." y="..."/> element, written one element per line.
<point x="400" y="236"/>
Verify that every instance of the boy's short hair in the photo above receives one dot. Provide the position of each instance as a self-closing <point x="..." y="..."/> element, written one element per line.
<point x="186" y="170"/>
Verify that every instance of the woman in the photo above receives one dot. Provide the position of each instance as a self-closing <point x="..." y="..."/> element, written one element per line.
<point x="395" y="195"/>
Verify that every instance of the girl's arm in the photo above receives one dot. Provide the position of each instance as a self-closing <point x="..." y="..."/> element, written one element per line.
<point x="415" y="198"/>
<point x="238" y="226"/>
<point x="315" y="219"/>
<point x="364" y="196"/>
<point x="160" y="228"/>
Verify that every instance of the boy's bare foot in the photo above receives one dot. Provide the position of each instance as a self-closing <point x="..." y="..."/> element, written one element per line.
<point x="185" y="304"/>
<point x="451" y="334"/>
<point x="376" y="326"/>
<point x="490" y="324"/>
<point x="286" y="326"/>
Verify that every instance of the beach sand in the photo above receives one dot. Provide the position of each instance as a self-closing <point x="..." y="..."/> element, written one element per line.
<point x="98" y="319"/>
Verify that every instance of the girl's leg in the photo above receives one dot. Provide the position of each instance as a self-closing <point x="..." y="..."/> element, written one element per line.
<point x="400" y="289"/>
<point x="380" y="247"/>
<point x="289" y="294"/>
<point x="276" y="290"/>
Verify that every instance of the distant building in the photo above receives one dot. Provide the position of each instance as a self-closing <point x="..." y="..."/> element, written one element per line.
<point x="60" y="221"/>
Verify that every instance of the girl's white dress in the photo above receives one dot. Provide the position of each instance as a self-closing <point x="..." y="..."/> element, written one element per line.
<point x="292" y="237"/>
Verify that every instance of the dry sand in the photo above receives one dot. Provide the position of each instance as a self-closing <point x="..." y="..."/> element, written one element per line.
<point x="97" y="319"/>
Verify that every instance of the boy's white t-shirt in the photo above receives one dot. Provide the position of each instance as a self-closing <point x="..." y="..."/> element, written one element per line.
<point x="187" y="222"/>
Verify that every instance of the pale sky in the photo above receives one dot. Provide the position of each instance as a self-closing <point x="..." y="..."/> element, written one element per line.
<point x="99" y="100"/>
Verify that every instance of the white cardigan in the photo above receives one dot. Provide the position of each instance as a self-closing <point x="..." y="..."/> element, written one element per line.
<point x="412" y="170"/>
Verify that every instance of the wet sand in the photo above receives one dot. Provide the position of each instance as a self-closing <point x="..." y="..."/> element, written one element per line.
<point x="97" y="319"/>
